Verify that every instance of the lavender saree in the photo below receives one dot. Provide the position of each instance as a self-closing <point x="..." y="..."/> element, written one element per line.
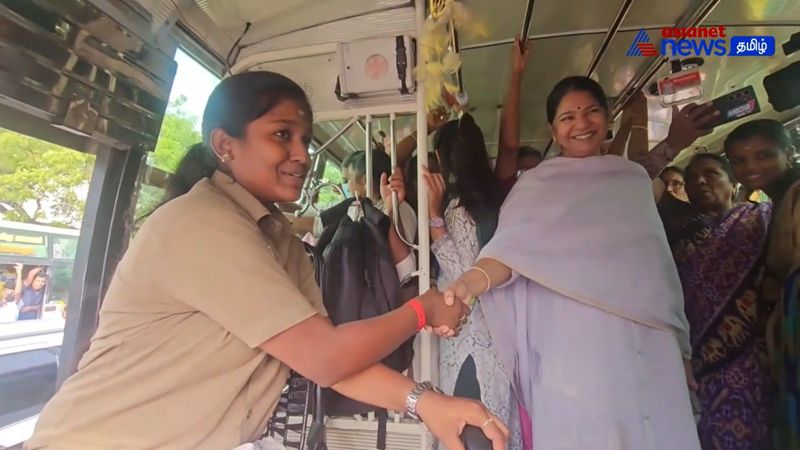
<point x="592" y="329"/>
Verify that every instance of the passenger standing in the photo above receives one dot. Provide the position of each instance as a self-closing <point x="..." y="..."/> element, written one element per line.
<point x="581" y="294"/>
<point x="719" y="254"/>
<point x="761" y="153"/>
<point x="30" y="292"/>
<point x="463" y="216"/>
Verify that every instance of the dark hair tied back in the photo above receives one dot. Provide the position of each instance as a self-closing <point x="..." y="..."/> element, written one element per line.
<point x="233" y="104"/>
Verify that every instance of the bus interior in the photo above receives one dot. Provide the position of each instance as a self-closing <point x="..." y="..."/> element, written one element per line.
<point x="95" y="77"/>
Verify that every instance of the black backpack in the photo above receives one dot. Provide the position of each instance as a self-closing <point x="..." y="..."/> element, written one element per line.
<point x="359" y="281"/>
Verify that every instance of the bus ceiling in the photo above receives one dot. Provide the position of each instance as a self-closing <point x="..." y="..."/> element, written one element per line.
<point x="101" y="71"/>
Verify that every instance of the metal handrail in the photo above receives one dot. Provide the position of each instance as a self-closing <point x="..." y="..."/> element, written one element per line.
<point x="395" y="200"/>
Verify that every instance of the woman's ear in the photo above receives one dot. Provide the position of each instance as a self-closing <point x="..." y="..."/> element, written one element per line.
<point x="552" y="132"/>
<point x="221" y="145"/>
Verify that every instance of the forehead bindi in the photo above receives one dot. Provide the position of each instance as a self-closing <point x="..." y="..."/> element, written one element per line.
<point x="577" y="101"/>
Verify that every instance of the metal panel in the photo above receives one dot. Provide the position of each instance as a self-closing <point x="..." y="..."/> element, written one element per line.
<point x="486" y="72"/>
<point x="733" y="12"/>
<point x="385" y="23"/>
<point x="648" y="13"/>
<point x="557" y="16"/>
<point x="82" y="71"/>
<point x="316" y="74"/>
<point x="101" y="245"/>
<point x="616" y="69"/>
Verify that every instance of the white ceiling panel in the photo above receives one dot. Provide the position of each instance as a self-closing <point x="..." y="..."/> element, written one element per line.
<point x="616" y="69"/>
<point x="644" y="13"/>
<point x="385" y="23"/>
<point x="316" y="74"/>
<point x="733" y="12"/>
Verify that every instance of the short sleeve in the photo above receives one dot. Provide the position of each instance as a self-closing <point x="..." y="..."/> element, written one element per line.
<point x="307" y="276"/>
<point x="220" y="264"/>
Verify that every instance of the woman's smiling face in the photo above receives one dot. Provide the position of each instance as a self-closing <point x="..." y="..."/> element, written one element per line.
<point x="580" y="125"/>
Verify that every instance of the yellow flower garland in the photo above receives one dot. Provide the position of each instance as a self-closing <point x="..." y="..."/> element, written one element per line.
<point x="440" y="60"/>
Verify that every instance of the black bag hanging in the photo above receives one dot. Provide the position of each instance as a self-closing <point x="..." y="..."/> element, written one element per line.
<point x="359" y="281"/>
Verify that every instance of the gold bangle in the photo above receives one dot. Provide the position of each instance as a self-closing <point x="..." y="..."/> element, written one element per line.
<point x="640" y="127"/>
<point x="486" y="275"/>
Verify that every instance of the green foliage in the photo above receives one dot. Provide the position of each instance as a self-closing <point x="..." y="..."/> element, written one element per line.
<point x="178" y="133"/>
<point x="42" y="182"/>
<point x="329" y="197"/>
<point x="149" y="198"/>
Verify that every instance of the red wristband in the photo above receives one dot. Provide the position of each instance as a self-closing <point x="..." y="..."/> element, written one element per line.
<point x="416" y="305"/>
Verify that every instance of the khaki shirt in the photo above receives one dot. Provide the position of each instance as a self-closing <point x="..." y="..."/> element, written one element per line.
<point x="175" y="362"/>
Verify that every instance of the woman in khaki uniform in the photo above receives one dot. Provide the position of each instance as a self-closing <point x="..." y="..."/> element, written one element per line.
<point x="215" y="301"/>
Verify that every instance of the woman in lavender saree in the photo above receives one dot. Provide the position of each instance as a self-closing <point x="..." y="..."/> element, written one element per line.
<point x="588" y="316"/>
<point x="719" y="254"/>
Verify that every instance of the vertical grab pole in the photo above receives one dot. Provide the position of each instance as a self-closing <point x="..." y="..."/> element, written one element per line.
<point x="368" y="149"/>
<point x="428" y="359"/>
<point x="393" y="155"/>
<point x="427" y="355"/>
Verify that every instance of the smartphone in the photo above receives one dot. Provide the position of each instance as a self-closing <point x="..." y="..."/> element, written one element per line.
<point x="736" y="105"/>
<point x="473" y="439"/>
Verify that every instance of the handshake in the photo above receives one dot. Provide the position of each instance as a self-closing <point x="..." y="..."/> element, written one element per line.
<point x="447" y="312"/>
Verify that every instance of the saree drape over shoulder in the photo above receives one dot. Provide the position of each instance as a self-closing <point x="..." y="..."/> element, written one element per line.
<point x="720" y="262"/>
<point x="593" y="328"/>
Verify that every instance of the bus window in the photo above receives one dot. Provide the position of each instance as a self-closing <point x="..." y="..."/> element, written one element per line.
<point x="43" y="189"/>
<point x="327" y="197"/>
<point x="179" y="130"/>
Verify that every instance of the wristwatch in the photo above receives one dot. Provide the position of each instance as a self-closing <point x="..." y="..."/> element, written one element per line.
<point x="437" y="222"/>
<point x="413" y="397"/>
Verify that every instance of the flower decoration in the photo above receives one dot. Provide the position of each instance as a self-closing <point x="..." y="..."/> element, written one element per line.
<point x="441" y="61"/>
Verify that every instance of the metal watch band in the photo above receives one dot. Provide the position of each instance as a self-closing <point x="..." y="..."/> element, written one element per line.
<point x="413" y="397"/>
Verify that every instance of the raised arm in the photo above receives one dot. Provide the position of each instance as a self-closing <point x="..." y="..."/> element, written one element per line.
<point x="32" y="276"/>
<point x="399" y="249"/>
<point x="18" y="284"/>
<point x="634" y="117"/>
<point x="508" y="148"/>
<point x="406" y="146"/>
<point x="448" y="253"/>
<point x="688" y="124"/>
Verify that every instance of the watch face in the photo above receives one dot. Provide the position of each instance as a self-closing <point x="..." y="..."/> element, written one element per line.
<point x="437" y="222"/>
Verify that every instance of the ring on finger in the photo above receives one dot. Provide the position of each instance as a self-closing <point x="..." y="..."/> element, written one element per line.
<point x="488" y="421"/>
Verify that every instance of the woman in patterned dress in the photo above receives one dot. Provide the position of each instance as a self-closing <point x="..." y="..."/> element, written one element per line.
<point x="463" y="213"/>
<point x="718" y="252"/>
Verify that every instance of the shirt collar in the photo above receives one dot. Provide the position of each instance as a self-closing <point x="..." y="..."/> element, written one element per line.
<point x="244" y="199"/>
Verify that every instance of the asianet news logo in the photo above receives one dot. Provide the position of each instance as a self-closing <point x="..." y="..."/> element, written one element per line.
<point x="701" y="41"/>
